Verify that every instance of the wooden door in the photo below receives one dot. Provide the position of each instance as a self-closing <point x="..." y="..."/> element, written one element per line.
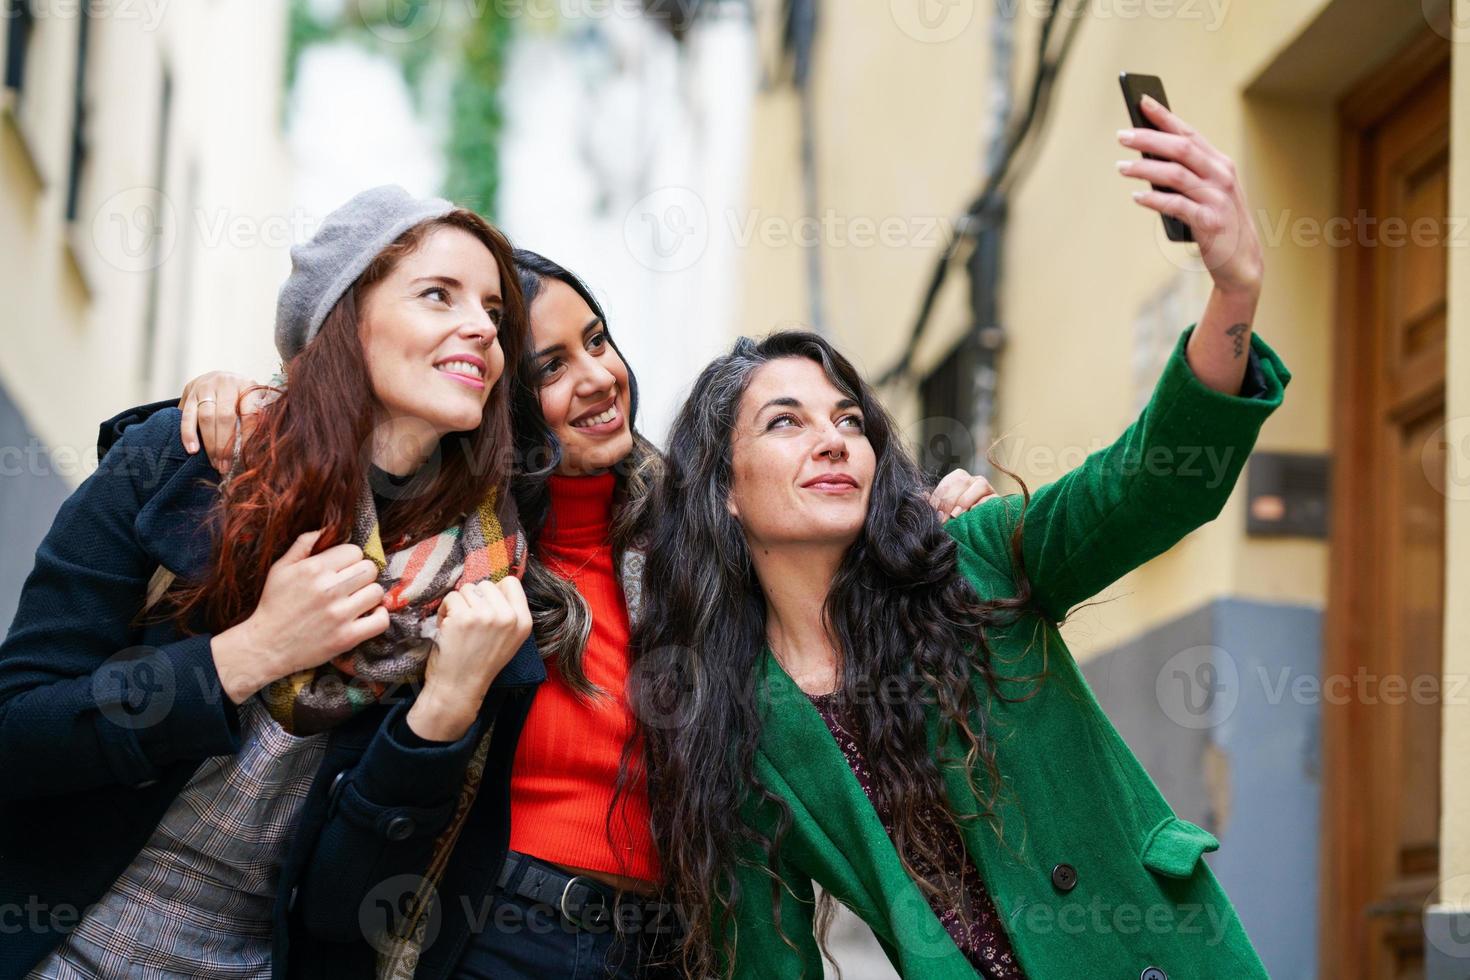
<point x="1381" y="721"/>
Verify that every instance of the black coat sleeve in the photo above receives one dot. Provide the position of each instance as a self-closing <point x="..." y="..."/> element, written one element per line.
<point x="109" y="432"/>
<point x="384" y="814"/>
<point x="82" y="703"/>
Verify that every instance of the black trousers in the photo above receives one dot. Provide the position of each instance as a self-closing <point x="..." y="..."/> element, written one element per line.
<point x="520" y="939"/>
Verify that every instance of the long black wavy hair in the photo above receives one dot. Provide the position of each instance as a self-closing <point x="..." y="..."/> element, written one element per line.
<point x="906" y="621"/>
<point x="561" y="618"/>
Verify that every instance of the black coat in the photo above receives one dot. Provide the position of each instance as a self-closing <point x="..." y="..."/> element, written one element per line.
<point x="103" y="722"/>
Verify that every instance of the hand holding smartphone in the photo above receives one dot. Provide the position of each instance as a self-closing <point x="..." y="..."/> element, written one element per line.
<point x="1135" y="87"/>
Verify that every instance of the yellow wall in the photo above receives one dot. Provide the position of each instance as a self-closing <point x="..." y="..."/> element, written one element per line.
<point x="897" y="144"/>
<point x="900" y="131"/>
<point x="1083" y="259"/>
<point x="76" y="293"/>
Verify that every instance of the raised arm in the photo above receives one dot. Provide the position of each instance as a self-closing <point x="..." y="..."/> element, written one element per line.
<point x="1211" y="200"/>
<point x="1171" y="471"/>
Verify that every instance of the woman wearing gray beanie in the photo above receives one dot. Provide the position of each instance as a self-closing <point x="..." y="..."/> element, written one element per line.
<point x="578" y="882"/>
<point x="213" y="686"/>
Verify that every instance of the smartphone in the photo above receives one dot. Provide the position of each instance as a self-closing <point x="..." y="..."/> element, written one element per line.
<point x="1135" y="87"/>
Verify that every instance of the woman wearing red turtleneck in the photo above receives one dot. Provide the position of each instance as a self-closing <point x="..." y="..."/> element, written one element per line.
<point x="566" y="765"/>
<point x="574" y="899"/>
<point x="583" y="520"/>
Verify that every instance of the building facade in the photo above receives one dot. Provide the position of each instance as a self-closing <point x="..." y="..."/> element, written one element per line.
<point x="143" y="224"/>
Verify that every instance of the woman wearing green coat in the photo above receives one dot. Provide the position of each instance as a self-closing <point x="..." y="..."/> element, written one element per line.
<point x="838" y="691"/>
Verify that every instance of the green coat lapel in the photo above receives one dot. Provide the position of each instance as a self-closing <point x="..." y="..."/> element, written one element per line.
<point x="847" y="850"/>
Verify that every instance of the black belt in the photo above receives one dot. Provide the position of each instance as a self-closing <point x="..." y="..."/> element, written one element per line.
<point x="584" y="902"/>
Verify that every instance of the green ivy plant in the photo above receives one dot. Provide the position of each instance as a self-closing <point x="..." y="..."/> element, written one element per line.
<point x="472" y="37"/>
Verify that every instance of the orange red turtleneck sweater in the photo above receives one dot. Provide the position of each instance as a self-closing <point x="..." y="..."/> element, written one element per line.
<point x="566" y="764"/>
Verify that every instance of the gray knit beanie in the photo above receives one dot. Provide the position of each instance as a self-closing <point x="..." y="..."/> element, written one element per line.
<point x="324" y="268"/>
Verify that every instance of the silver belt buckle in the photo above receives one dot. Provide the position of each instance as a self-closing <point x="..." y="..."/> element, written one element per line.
<point x="563" y="903"/>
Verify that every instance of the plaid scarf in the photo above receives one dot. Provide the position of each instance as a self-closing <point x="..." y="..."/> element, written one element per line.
<point x="415" y="579"/>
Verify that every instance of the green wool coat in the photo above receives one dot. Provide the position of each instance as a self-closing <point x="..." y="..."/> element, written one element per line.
<point x="1133" y="898"/>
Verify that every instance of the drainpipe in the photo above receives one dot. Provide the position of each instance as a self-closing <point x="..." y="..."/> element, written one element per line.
<point x="987" y="335"/>
<point x="801" y="28"/>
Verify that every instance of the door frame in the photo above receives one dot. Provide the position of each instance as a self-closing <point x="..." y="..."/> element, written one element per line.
<point x="1344" y="880"/>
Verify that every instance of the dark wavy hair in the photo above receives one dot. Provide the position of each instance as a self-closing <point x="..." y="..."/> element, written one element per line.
<point x="904" y="617"/>
<point x="562" y="620"/>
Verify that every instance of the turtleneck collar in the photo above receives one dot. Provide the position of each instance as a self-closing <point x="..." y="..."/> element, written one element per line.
<point x="581" y="509"/>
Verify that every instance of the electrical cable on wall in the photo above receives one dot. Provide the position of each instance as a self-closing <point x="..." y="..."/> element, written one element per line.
<point x="1023" y="138"/>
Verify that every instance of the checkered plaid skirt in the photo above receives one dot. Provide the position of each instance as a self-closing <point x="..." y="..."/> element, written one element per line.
<point x="197" y="900"/>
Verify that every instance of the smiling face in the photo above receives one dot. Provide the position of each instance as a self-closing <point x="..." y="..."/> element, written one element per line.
<point x="802" y="467"/>
<point x="430" y="333"/>
<point x="583" y="383"/>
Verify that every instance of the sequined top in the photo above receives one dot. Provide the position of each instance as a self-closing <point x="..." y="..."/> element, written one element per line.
<point x="980" y="935"/>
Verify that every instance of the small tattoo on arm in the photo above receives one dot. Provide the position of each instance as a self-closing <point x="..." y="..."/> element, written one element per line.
<point x="1238" y="332"/>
